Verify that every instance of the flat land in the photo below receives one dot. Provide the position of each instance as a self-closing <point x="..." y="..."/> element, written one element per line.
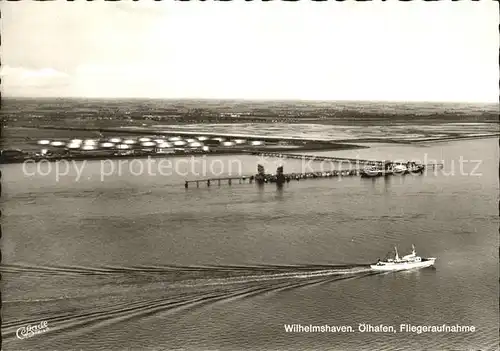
<point x="262" y="125"/>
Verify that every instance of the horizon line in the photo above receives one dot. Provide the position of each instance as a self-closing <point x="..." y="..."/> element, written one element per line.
<point x="252" y="99"/>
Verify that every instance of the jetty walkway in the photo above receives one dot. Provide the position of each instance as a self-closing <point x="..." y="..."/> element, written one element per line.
<point x="271" y="178"/>
<point x="318" y="158"/>
<point x="358" y="161"/>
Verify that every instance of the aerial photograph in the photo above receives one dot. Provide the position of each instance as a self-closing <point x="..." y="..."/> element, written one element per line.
<point x="249" y="175"/>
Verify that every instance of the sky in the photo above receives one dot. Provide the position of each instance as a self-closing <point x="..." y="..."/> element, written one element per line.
<point x="385" y="51"/>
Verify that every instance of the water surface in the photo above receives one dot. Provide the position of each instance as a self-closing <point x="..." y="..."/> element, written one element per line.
<point x="139" y="262"/>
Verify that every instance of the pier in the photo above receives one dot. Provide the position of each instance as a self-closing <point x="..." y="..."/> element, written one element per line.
<point x="319" y="158"/>
<point x="358" y="161"/>
<point x="278" y="178"/>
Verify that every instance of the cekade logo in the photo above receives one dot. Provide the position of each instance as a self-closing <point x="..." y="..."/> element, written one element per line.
<point x="31" y="330"/>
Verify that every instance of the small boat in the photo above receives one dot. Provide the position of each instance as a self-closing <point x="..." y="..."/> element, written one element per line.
<point x="379" y="170"/>
<point x="410" y="261"/>
<point x="400" y="169"/>
<point x="371" y="171"/>
<point x="391" y="168"/>
<point x="414" y="168"/>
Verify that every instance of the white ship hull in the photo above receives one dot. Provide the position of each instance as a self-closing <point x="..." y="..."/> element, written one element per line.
<point x="399" y="169"/>
<point x="399" y="266"/>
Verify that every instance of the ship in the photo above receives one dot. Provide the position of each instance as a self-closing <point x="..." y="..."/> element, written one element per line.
<point x="377" y="171"/>
<point x="390" y="168"/>
<point x="371" y="171"/>
<point x="407" y="168"/>
<point x="410" y="261"/>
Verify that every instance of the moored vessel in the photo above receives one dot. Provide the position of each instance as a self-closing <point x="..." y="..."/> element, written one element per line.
<point x="414" y="168"/>
<point x="371" y="171"/>
<point x="408" y="167"/>
<point x="390" y="168"/>
<point x="400" y="169"/>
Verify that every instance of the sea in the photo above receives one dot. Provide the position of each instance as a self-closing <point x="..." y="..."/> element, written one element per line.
<point x="119" y="255"/>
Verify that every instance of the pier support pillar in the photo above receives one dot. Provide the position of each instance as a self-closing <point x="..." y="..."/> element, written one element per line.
<point x="197" y="184"/>
<point x="208" y="182"/>
<point x="186" y="184"/>
<point x="218" y="181"/>
<point x="229" y="181"/>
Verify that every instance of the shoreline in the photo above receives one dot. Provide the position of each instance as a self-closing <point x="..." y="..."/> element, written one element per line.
<point x="277" y="144"/>
<point x="465" y="137"/>
<point x="141" y="131"/>
<point x="83" y="157"/>
<point x="321" y="146"/>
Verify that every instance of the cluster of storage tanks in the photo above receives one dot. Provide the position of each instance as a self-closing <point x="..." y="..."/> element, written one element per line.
<point x="158" y="144"/>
